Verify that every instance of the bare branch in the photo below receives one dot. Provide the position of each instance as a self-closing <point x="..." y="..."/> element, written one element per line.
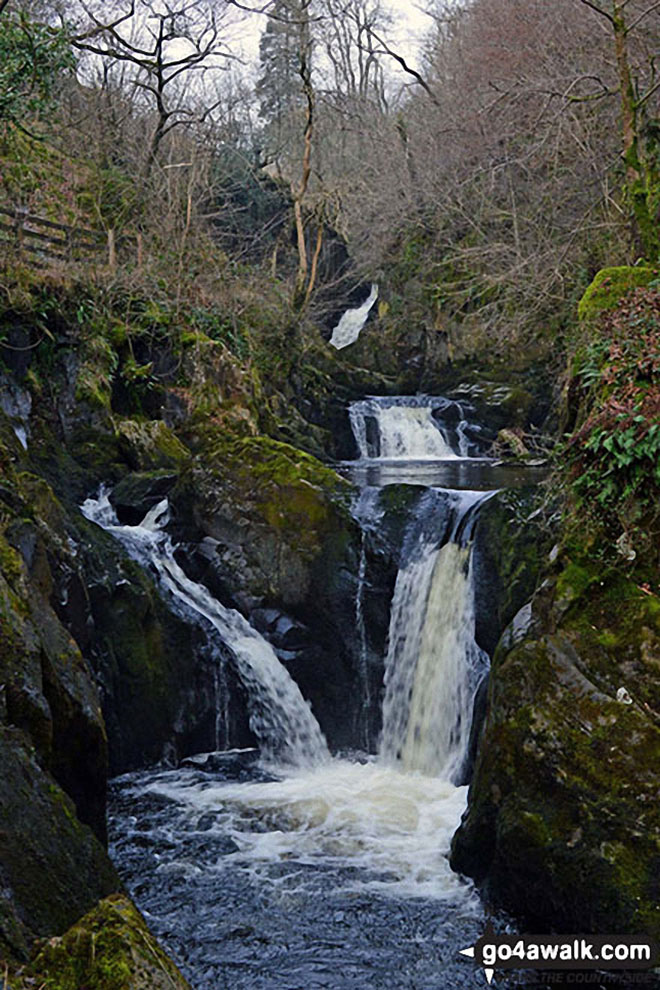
<point x="386" y="50"/>
<point x="598" y="9"/>
<point x="638" y="20"/>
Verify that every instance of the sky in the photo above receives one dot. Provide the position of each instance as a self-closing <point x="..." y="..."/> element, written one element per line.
<point x="410" y="25"/>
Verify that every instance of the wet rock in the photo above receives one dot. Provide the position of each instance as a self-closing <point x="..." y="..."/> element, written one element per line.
<point x="50" y="693"/>
<point x="52" y="868"/>
<point x="563" y="825"/>
<point x="157" y="676"/>
<point x="139" y="492"/>
<point x="509" y="555"/>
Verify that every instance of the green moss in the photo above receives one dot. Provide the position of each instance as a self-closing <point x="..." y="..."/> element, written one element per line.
<point x="285" y="465"/>
<point x="293" y="492"/>
<point x="574" y="580"/>
<point x="94" y="382"/>
<point x="110" y="948"/>
<point x="608" y="288"/>
<point x="150" y="445"/>
<point x="10" y="563"/>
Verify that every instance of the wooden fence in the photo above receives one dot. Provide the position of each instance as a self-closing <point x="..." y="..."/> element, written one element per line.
<point x="38" y="240"/>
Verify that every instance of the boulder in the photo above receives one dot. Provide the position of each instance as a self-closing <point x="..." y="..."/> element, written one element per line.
<point x="563" y="822"/>
<point x="110" y="948"/>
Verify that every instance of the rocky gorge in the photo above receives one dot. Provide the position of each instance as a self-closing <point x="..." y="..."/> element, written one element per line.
<point x="101" y="676"/>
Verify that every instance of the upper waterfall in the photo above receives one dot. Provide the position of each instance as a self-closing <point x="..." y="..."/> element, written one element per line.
<point x="349" y="327"/>
<point x="410" y="428"/>
<point x="279" y="715"/>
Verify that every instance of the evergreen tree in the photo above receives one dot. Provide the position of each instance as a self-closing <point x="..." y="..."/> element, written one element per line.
<point x="284" y="51"/>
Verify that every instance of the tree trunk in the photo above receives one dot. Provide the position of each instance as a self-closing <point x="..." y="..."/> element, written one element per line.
<point x="644" y="234"/>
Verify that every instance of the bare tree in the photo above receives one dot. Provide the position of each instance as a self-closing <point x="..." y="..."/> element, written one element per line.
<point x="165" y="46"/>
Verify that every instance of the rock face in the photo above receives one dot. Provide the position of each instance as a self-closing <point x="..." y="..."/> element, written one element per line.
<point x="52" y="735"/>
<point x="52" y="868"/>
<point x="272" y="535"/>
<point x="563" y="825"/>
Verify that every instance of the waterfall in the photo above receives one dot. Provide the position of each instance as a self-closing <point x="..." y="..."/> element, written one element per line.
<point x="410" y="428"/>
<point x="358" y="825"/>
<point x="349" y="327"/>
<point x="433" y="665"/>
<point x="279" y="715"/>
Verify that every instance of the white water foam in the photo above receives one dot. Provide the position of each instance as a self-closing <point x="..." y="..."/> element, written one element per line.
<point x="405" y="428"/>
<point x="393" y="829"/>
<point x="352" y="322"/>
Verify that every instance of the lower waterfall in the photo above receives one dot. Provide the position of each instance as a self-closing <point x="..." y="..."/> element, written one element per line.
<point x="392" y="815"/>
<point x="433" y="665"/>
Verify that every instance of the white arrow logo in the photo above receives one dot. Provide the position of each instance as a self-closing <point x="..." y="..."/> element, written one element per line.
<point x="490" y="973"/>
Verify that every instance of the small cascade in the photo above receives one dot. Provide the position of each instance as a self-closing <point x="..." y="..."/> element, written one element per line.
<point x="410" y="428"/>
<point x="16" y="404"/>
<point x="279" y="715"/>
<point x="352" y="322"/>
<point x="433" y="665"/>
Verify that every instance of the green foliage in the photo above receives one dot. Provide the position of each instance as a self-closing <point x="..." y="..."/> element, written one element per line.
<point x="613" y="458"/>
<point x="221" y="328"/>
<point x="33" y="57"/>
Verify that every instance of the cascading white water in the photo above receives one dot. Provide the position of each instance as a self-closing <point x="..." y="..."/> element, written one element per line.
<point x="389" y="819"/>
<point x="350" y="325"/>
<point x="382" y="823"/>
<point x="433" y="664"/>
<point x="279" y="715"/>
<point x="406" y="429"/>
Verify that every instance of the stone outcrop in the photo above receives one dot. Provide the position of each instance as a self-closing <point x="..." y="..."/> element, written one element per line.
<point x="563" y="825"/>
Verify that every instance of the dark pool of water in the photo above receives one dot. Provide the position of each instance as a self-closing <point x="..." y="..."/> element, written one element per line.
<point x="284" y="925"/>
<point x="463" y="473"/>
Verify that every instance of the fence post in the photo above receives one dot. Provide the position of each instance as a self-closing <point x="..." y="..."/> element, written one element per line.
<point x="19" y="231"/>
<point x="140" y="250"/>
<point x="112" y="251"/>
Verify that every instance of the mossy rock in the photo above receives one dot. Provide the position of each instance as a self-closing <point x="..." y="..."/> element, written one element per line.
<point x="110" y="948"/>
<point x="150" y="445"/>
<point x="274" y="510"/>
<point x="563" y="825"/>
<point x="48" y="688"/>
<point x="52" y="867"/>
<point x="608" y="289"/>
